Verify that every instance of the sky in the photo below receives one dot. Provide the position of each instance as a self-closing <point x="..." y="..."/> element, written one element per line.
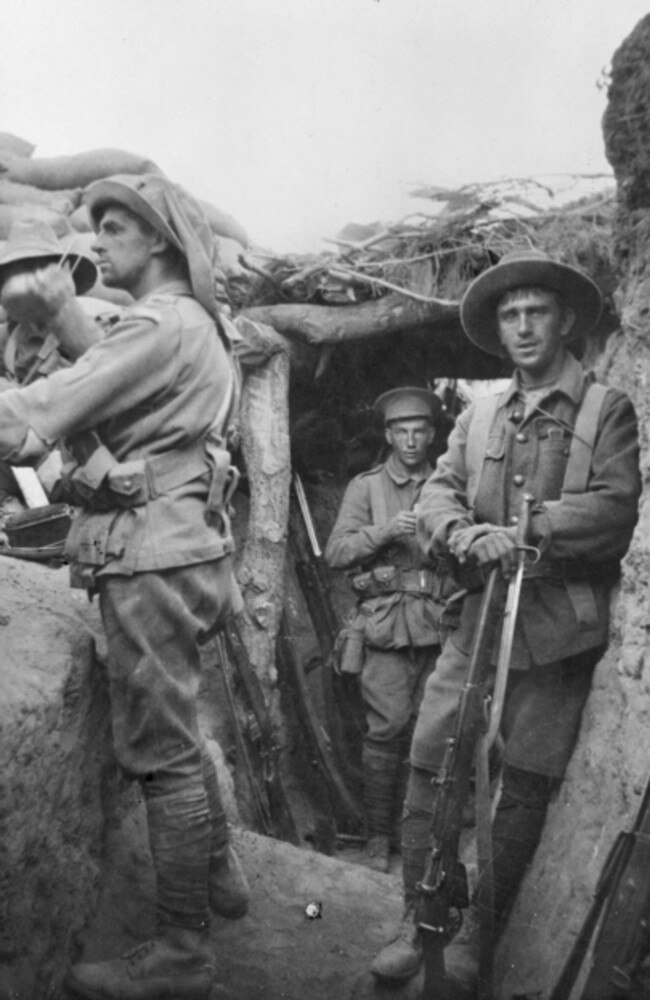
<point x="299" y="116"/>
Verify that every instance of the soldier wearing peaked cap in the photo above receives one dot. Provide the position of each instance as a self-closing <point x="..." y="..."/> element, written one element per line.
<point x="556" y="435"/>
<point x="143" y="415"/>
<point x="394" y="632"/>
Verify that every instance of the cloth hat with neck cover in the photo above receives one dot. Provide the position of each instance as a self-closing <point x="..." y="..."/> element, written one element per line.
<point x="34" y="244"/>
<point x="175" y="214"/>
<point x="408" y="403"/>
<point x="527" y="269"/>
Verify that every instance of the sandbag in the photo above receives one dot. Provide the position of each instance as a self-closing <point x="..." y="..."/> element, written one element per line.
<point x="80" y="220"/>
<point x="64" y="202"/>
<point x="30" y="213"/>
<point x="14" y="144"/>
<point x="77" y="170"/>
<point x="223" y="224"/>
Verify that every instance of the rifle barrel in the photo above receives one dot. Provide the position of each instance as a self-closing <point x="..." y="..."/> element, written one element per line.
<point x="306" y="516"/>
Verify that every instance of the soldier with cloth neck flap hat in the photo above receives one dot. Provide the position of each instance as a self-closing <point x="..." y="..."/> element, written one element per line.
<point x="143" y="415"/>
<point x="392" y="638"/>
<point x="34" y="245"/>
<point x="556" y="435"/>
<point x="29" y="347"/>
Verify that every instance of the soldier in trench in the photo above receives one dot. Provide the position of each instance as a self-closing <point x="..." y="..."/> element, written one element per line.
<point x="143" y="414"/>
<point x="528" y="308"/>
<point x="393" y="638"/>
<point x="25" y="352"/>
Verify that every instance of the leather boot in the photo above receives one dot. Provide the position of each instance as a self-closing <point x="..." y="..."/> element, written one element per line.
<point x="461" y="956"/>
<point x="401" y="958"/>
<point x="176" y="963"/>
<point x="376" y="853"/>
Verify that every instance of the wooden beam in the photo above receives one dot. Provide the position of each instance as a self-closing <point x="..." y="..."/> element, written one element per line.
<point x="317" y="324"/>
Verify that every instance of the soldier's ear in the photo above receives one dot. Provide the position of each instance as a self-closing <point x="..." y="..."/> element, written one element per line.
<point x="159" y="243"/>
<point x="567" y="322"/>
<point x="387" y="434"/>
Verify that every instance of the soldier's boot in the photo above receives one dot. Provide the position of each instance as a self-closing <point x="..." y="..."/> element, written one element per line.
<point x="178" y="962"/>
<point x="380" y="770"/>
<point x="515" y="834"/>
<point x="228" y="892"/>
<point x="401" y="958"/>
<point x="462" y="956"/>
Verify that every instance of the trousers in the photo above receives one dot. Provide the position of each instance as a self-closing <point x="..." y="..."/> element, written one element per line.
<point x="542" y="711"/>
<point x="155" y="623"/>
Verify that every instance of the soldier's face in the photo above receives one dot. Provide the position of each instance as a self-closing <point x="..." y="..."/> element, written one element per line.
<point x="533" y="327"/>
<point x="124" y="249"/>
<point x="410" y="440"/>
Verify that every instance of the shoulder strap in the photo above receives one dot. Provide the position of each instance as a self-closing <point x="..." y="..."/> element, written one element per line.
<point x="378" y="504"/>
<point x="485" y="409"/>
<point x="576" y="476"/>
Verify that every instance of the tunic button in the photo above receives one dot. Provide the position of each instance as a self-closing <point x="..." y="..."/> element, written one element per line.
<point x="514" y="519"/>
<point x="518" y="480"/>
<point x="521" y="437"/>
<point x="517" y="417"/>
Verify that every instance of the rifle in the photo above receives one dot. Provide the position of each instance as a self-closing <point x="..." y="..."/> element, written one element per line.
<point x="622" y="944"/>
<point x="443" y="891"/>
<point x="444" y="887"/>
<point x="270" y="802"/>
<point x="338" y="749"/>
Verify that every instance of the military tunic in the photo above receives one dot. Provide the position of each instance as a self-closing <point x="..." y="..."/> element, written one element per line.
<point x="400" y="629"/>
<point x="564" y="610"/>
<point x="153" y="387"/>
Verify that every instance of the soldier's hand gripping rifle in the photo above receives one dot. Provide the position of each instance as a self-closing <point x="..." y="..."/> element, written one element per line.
<point x="444" y="889"/>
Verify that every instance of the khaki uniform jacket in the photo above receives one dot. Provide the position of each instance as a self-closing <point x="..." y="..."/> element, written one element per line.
<point x="359" y="542"/>
<point x="582" y="536"/>
<point x="153" y="385"/>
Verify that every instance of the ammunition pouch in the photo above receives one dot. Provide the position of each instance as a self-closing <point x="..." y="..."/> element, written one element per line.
<point x="394" y="580"/>
<point x="96" y="481"/>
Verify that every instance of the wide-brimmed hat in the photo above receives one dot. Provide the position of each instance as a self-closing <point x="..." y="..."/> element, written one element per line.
<point x="175" y="214"/>
<point x="527" y="269"/>
<point x="408" y="402"/>
<point x="143" y="194"/>
<point x="36" y="242"/>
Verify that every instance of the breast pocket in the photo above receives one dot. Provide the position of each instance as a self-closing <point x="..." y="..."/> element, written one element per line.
<point x="553" y="444"/>
<point x="485" y="482"/>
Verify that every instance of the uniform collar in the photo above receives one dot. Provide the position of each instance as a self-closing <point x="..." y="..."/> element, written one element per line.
<point x="402" y="478"/>
<point x="177" y="287"/>
<point x="570" y="383"/>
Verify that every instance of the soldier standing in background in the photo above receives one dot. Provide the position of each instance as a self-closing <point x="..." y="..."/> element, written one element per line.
<point x="393" y="639"/>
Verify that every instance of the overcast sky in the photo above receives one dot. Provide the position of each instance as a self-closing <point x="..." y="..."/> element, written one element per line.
<point x="297" y="116"/>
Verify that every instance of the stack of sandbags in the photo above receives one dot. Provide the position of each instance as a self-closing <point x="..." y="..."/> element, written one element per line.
<point x="51" y="189"/>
